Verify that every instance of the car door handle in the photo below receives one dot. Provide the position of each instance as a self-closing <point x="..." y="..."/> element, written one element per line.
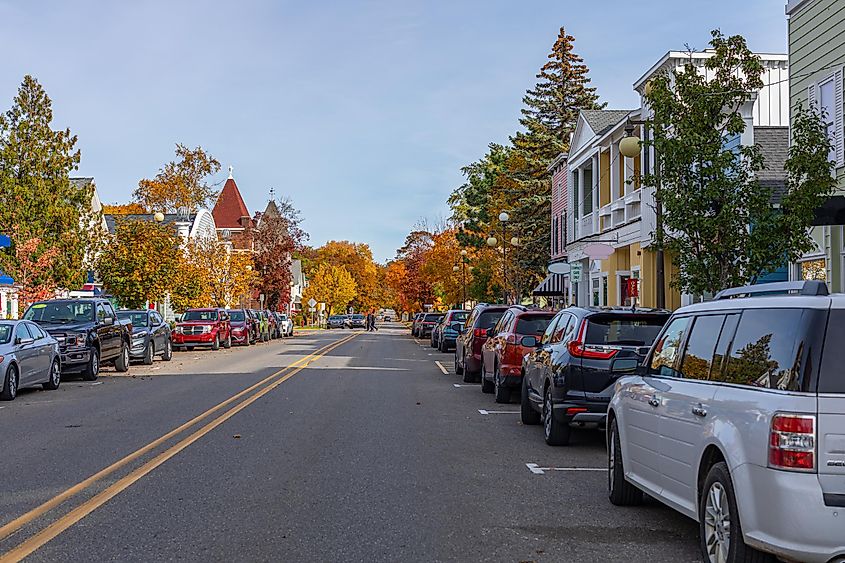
<point x="699" y="410"/>
<point x="654" y="401"/>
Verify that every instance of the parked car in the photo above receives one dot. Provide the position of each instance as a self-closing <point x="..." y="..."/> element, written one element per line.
<point x="567" y="381"/>
<point x="468" y="344"/>
<point x="28" y="357"/>
<point x="427" y="324"/>
<point x="447" y="328"/>
<point x="150" y="335"/>
<point x="357" y="321"/>
<point x="336" y="321"/>
<point x="747" y="397"/>
<point x="286" y="324"/>
<point x="203" y="327"/>
<point x="508" y="342"/>
<point x="263" y="325"/>
<point x="415" y="323"/>
<point x="88" y="332"/>
<point x="273" y="324"/>
<point x="242" y="326"/>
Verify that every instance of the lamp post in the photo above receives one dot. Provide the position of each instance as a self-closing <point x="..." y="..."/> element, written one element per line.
<point x="464" y="276"/>
<point x="158" y="216"/>
<point x="515" y="276"/>
<point x="629" y="147"/>
<point x="503" y="219"/>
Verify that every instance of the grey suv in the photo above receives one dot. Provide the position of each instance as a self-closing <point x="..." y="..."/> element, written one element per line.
<point x="737" y="420"/>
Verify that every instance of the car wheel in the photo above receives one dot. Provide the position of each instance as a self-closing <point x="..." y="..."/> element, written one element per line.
<point x="10" y="385"/>
<point x="228" y="342"/>
<point x="93" y="370"/>
<point x="55" y="377"/>
<point x="620" y="491"/>
<point x="526" y="412"/>
<point x="216" y="344"/>
<point x="440" y="347"/>
<point x="501" y="392"/>
<point x="555" y="433"/>
<point x="459" y="369"/>
<point x="486" y="384"/>
<point x="720" y="531"/>
<point x="469" y="377"/>
<point x="189" y="348"/>
<point x="121" y="364"/>
<point x="168" y="351"/>
<point x="149" y="354"/>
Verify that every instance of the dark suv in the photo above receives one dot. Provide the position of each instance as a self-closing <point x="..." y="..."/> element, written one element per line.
<point x="568" y="379"/>
<point x="472" y="337"/>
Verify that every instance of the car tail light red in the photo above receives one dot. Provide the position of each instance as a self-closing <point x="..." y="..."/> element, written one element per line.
<point x="578" y="349"/>
<point x="792" y="442"/>
<point x="479" y="332"/>
<point x="575" y="410"/>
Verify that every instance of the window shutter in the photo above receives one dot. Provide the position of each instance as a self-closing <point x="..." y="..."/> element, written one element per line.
<point x="837" y="119"/>
<point x="811" y="98"/>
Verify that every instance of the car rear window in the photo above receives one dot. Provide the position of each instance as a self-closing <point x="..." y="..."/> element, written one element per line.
<point x="488" y="319"/>
<point x="533" y="325"/>
<point x="831" y="375"/>
<point x="458" y="316"/>
<point x="432" y="317"/>
<point x="624" y="330"/>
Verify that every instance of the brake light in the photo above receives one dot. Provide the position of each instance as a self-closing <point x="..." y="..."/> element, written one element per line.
<point x="792" y="442"/>
<point x="575" y="410"/>
<point x="578" y="349"/>
<point x="479" y="332"/>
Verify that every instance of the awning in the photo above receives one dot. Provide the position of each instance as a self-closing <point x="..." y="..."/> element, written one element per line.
<point x="551" y="286"/>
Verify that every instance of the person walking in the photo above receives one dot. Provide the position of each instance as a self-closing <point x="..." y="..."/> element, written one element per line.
<point x="370" y="321"/>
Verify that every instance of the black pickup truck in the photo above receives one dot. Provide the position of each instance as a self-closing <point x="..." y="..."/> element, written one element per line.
<point x="88" y="331"/>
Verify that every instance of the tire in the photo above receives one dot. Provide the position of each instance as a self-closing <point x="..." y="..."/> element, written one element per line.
<point x="440" y="347"/>
<point x="527" y="413"/>
<point x="216" y="344"/>
<point x="247" y="340"/>
<point x="167" y="355"/>
<point x="55" y="377"/>
<point x="501" y="393"/>
<point x="469" y="377"/>
<point x="716" y="509"/>
<point x="92" y="371"/>
<point x="149" y="354"/>
<point x="228" y="343"/>
<point x="555" y="433"/>
<point x="10" y="385"/>
<point x="189" y="348"/>
<point x="458" y="370"/>
<point x="121" y="364"/>
<point x="486" y="386"/>
<point x="619" y="491"/>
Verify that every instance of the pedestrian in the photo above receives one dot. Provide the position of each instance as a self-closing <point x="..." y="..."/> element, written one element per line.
<point x="369" y="322"/>
<point x="373" y="322"/>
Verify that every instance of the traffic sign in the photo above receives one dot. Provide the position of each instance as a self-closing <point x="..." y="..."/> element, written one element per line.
<point x="312" y="303"/>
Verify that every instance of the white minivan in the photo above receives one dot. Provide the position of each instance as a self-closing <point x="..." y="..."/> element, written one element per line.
<point x="737" y="419"/>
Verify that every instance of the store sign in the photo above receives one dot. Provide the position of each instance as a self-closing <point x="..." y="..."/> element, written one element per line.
<point x="575" y="272"/>
<point x="633" y="287"/>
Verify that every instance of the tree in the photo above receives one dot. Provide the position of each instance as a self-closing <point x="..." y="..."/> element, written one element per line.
<point x="229" y="276"/>
<point x="32" y="259"/>
<point x="720" y="224"/>
<point x="417" y="290"/>
<point x="332" y="285"/>
<point x="277" y="238"/>
<point x="180" y="183"/>
<point x="140" y="262"/>
<point x="357" y="259"/>
<point x="37" y="198"/>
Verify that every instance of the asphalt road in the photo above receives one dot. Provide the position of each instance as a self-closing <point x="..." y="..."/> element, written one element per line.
<point x="365" y="451"/>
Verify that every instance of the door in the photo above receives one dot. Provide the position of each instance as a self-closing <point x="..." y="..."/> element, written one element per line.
<point x="533" y="369"/>
<point x="43" y="354"/>
<point x="105" y="333"/>
<point x="686" y="401"/>
<point x="831" y="411"/>
<point x="550" y="352"/>
<point x="642" y="407"/>
<point x="27" y="355"/>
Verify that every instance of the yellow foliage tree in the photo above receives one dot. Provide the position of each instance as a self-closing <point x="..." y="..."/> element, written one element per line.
<point x="180" y="183"/>
<point x="229" y="276"/>
<point x="332" y="285"/>
<point x="357" y="259"/>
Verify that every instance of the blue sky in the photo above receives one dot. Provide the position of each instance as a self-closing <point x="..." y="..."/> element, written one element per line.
<point x="361" y="112"/>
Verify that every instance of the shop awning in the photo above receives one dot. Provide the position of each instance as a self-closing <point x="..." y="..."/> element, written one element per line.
<point x="552" y="286"/>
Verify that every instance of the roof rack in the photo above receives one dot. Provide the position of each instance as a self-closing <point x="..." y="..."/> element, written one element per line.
<point x="807" y="287"/>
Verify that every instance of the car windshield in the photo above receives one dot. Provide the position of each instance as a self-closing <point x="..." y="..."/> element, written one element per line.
<point x="488" y="319"/>
<point x="61" y="312"/>
<point x="335" y="318"/>
<point x="6" y="332"/>
<point x="459" y="316"/>
<point x="200" y="316"/>
<point x="432" y="317"/>
<point x="630" y="330"/>
<point x="237" y="316"/>
<point x="358" y="317"/>
<point x="532" y="325"/>
<point x="137" y="318"/>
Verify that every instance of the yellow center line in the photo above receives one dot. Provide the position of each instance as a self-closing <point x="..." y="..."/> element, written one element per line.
<point x="16" y="524"/>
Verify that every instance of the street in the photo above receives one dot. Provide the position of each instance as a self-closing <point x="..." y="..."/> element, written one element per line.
<point x="369" y="453"/>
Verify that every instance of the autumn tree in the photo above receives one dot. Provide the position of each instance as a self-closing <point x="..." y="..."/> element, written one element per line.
<point x="32" y="259"/>
<point x="182" y="183"/>
<point x="229" y="275"/>
<point x="38" y="201"/>
<point x="357" y="259"/>
<point x="394" y="282"/>
<point x="418" y="291"/>
<point x="139" y="262"/>
<point x="277" y="238"/>
<point x="332" y="285"/>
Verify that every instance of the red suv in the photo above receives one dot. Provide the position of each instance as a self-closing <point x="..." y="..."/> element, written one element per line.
<point x="508" y="342"/>
<point x="203" y="327"/>
<point x="472" y="336"/>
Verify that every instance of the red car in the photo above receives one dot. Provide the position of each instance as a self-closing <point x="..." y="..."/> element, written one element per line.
<point x="203" y="327"/>
<point x="515" y="335"/>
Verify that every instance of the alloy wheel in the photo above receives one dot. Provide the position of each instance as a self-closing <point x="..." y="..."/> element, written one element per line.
<point x="717" y="524"/>
<point x="95" y="363"/>
<point x="547" y="413"/>
<point x="55" y="374"/>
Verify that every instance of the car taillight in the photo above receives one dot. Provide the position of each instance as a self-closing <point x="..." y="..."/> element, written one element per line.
<point x="479" y="332"/>
<point x="792" y="442"/>
<point x="578" y="349"/>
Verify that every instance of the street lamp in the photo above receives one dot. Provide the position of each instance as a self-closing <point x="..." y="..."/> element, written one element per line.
<point x="492" y="241"/>
<point x="463" y="276"/>
<point x="158" y="216"/>
<point x="503" y="219"/>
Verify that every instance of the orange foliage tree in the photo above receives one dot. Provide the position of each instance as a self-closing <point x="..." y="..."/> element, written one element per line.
<point x="180" y="183"/>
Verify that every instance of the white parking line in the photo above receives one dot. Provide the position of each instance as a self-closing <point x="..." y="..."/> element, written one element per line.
<point x="537" y="470"/>
<point x="482" y="411"/>
<point x="459" y="385"/>
<point x="443" y="369"/>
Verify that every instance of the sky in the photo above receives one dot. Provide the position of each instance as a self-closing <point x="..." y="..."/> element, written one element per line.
<point x="362" y="113"/>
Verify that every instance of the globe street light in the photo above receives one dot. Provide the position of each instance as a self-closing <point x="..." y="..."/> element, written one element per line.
<point x="158" y="216"/>
<point x="515" y="241"/>
<point x="503" y="219"/>
<point x="492" y="241"/>
<point x="455" y="269"/>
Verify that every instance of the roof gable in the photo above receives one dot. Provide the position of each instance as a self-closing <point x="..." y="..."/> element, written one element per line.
<point x="230" y="207"/>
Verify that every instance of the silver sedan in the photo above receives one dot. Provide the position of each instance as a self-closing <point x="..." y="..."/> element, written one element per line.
<point x="28" y="356"/>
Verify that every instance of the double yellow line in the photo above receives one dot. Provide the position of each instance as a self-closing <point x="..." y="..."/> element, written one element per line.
<point x="66" y="521"/>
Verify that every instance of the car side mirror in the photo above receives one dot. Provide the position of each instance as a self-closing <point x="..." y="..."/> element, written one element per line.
<point x="624" y="366"/>
<point x="108" y="321"/>
<point x="530" y="341"/>
<point x="23" y="341"/>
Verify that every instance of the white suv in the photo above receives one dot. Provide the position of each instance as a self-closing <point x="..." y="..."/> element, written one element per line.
<point x="737" y="419"/>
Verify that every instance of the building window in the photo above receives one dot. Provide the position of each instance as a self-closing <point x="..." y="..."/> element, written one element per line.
<point x="554" y="235"/>
<point x="826" y="97"/>
<point x="827" y="105"/>
<point x="588" y="191"/>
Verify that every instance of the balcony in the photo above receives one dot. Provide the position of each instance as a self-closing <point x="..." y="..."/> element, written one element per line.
<point x="585" y="226"/>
